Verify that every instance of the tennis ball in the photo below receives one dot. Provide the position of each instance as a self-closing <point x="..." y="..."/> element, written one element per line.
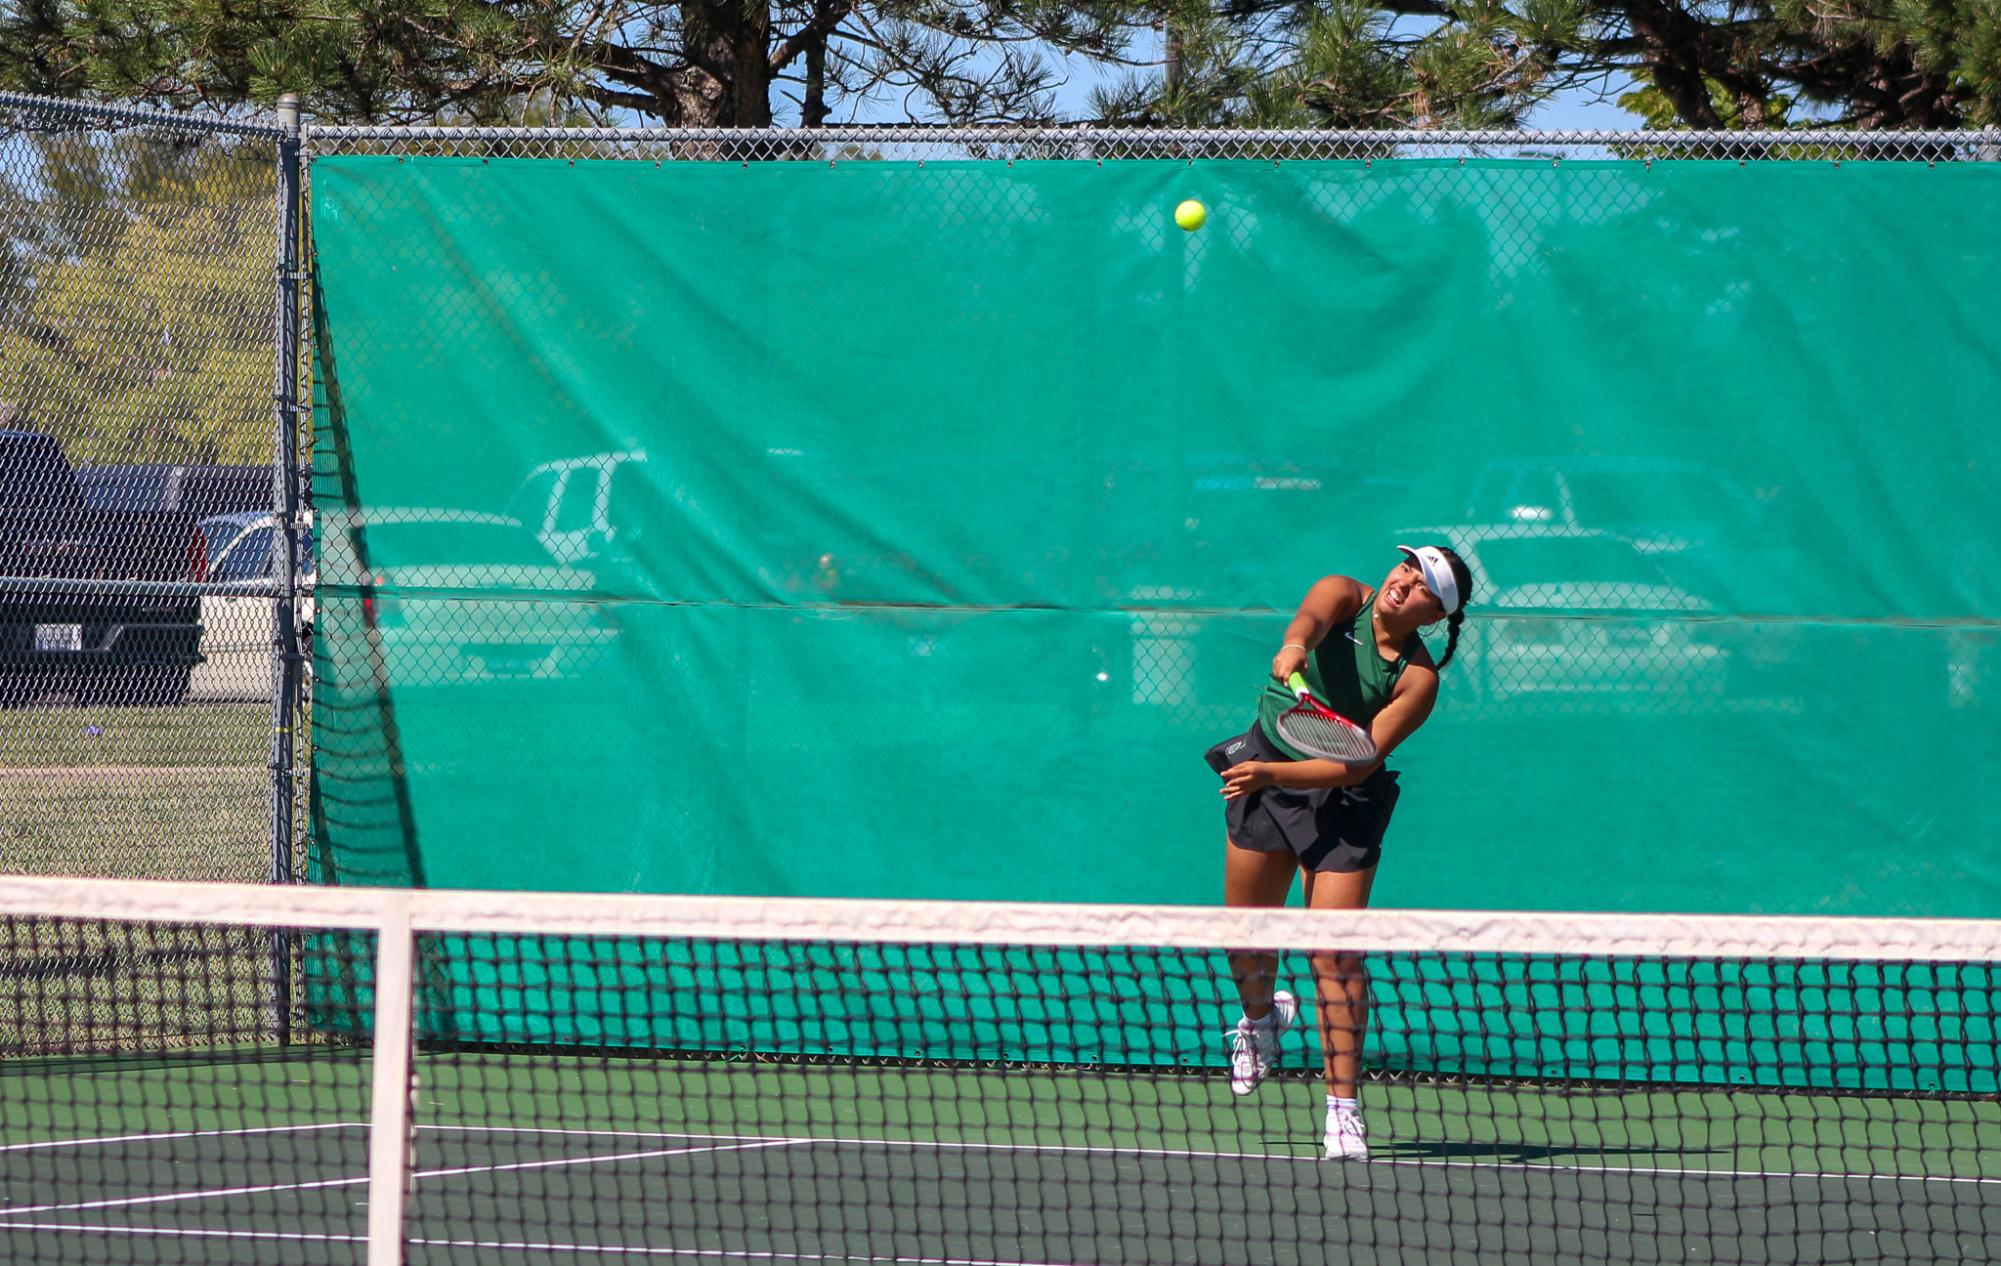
<point x="1191" y="215"/>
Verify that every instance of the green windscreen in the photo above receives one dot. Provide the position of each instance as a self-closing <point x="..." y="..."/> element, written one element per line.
<point x="1666" y="1017"/>
<point x="896" y="529"/>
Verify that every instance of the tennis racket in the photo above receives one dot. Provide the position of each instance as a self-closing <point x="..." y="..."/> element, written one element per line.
<point x="1318" y="730"/>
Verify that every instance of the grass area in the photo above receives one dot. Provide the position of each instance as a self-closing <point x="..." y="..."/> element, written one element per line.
<point x="138" y="793"/>
<point x="109" y="989"/>
<point x="136" y="823"/>
<point x="194" y="734"/>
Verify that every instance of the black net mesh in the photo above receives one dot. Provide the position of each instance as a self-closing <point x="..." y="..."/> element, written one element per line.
<point x="1019" y="1085"/>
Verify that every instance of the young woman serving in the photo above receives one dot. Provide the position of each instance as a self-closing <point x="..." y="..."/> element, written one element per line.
<point x="1288" y="813"/>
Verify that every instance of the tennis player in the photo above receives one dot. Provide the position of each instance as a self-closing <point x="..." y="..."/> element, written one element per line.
<point x="1361" y="654"/>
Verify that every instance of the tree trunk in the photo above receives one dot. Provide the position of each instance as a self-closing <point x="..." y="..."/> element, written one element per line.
<point x="696" y="100"/>
<point x="1674" y="59"/>
<point x="727" y="82"/>
<point x="814" y="112"/>
<point x="751" y="100"/>
<point x="1896" y="94"/>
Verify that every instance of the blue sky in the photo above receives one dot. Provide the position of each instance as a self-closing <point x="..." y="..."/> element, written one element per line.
<point x="1576" y="111"/>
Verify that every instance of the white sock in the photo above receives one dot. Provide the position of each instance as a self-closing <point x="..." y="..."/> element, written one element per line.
<point x="1343" y="1105"/>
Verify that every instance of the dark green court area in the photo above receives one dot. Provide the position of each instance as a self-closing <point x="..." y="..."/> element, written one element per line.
<point x="535" y="1157"/>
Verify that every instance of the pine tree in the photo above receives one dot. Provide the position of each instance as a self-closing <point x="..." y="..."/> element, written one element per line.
<point x="1314" y="63"/>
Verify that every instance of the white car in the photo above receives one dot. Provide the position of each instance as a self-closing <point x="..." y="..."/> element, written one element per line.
<point x="1660" y="505"/>
<point x="450" y="597"/>
<point x="1571" y="615"/>
<point x="567" y="504"/>
<point x="237" y="621"/>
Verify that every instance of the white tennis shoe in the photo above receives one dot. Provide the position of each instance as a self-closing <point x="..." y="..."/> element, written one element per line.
<point x="1347" y="1138"/>
<point x="1254" y="1043"/>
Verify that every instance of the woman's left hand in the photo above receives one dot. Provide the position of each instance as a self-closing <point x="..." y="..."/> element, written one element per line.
<point x="1244" y="777"/>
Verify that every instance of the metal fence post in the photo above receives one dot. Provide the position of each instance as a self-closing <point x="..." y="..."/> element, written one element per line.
<point x="286" y="657"/>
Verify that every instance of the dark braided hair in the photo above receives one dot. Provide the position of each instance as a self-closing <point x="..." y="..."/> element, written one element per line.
<point x="1464" y="575"/>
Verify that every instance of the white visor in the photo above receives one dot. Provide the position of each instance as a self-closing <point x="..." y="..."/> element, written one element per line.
<point x="1438" y="576"/>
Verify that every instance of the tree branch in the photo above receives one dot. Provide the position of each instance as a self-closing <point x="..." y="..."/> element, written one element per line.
<point x="827" y="18"/>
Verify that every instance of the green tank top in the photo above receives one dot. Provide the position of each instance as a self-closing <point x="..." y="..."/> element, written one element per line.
<point x="1345" y="672"/>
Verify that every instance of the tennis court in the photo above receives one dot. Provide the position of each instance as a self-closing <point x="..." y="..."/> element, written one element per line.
<point x="1085" y="1115"/>
<point x="739" y="1161"/>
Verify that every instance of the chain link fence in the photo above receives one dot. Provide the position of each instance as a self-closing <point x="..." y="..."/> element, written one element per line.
<point x="146" y="483"/>
<point x="1009" y="144"/>
<point x="149" y="609"/>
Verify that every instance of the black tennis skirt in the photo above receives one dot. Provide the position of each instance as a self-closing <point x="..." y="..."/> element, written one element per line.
<point x="1338" y="829"/>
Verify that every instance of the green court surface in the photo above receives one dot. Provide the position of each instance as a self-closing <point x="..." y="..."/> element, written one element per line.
<point x="532" y="1157"/>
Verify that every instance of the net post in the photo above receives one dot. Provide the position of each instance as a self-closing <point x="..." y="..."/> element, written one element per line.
<point x="389" y="1117"/>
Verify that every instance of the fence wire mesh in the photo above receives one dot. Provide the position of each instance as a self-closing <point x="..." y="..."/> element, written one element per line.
<point x="1007" y="144"/>
<point x="137" y="492"/>
<point x="137" y="254"/>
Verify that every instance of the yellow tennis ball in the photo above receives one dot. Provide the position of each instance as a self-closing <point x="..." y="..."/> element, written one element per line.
<point x="1191" y="215"/>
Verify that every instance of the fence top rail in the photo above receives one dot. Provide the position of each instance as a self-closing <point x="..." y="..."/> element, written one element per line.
<point x="85" y="113"/>
<point x="1086" y="140"/>
<point x="1137" y="142"/>
<point x="965" y="135"/>
<point x="1009" y="923"/>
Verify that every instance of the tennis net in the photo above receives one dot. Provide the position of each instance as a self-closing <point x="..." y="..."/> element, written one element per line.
<point x="216" y="1073"/>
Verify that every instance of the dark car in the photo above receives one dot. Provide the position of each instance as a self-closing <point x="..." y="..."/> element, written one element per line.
<point x="196" y="489"/>
<point x="82" y="608"/>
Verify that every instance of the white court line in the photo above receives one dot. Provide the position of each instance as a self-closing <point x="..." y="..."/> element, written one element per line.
<point x="742" y="1146"/>
<point x="171" y="1197"/>
<point x="185" y="1134"/>
<point x="751" y="1143"/>
<point x="741" y="1142"/>
<point x="1193" y="1154"/>
<point x="125" y="1202"/>
<point x="739" y="1254"/>
<point x="529" y="1245"/>
<point x="746" y="1142"/>
<point x="188" y="1232"/>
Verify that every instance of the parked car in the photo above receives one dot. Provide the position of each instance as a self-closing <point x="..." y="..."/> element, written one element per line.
<point x="66" y="626"/>
<point x="614" y="513"/>
<point x="568" y="504"/>
<point x="1661" y="505"/>
<point x="1575" y="615"/>
<point x="199" y="490"/>
<point x="452" y="597"/>
<point x="237" y="623"/>
<point x="1572" y="614"/>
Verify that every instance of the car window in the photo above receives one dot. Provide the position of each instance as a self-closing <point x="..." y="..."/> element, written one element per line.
<point x="248" y="557"/>
<point x="530" y="502"/>
<point x="219" y="534"/>
<point x="636" y="503"/>
<point x="207" y="491"/>
<point x="33" y="472"/>
<point x="1535" y="497"/>
<point x="1512" y="494"/>
<point x="1682" y="502"/>
<point x="125" y="487"/>
<point x="579" y="510"/>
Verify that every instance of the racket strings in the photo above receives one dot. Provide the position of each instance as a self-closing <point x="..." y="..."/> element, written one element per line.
<point x="1311" y="732"/>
